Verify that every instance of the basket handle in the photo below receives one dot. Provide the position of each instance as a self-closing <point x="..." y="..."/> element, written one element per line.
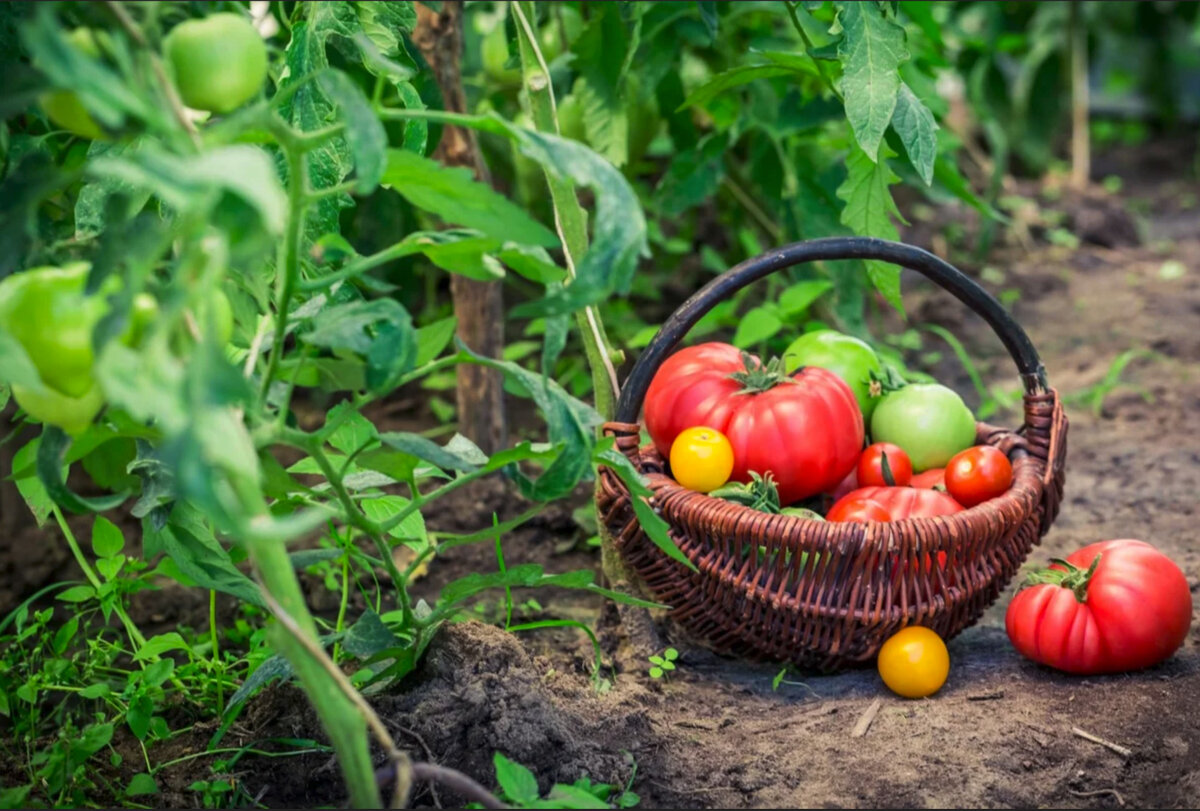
<point x="965" y="289"/>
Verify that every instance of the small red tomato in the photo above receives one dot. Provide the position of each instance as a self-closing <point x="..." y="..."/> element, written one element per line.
<point x="978" y="474"/>
<point x="930" y="479"/>
<point x="884" y="465"/>
<point x="858" y="511"/>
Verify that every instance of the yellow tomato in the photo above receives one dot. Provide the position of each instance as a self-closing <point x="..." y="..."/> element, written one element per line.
<point x="914" y="662"/>
<point x="701" y="459"/>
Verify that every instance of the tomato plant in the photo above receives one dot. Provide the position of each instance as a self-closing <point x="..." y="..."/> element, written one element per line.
<point x="1109" y="607"/>
<point x="929" y="421"/>
<point x="805" y="429"/>
<point x="978" y="474"/>
<point x="883" y="465"/>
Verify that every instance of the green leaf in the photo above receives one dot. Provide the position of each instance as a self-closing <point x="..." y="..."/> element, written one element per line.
<point x="620" y="226"/>
<point x="141" y="784"/>
<point x="380" y="329"/>
<point x="275" y="667"/>
<point x="868" y="211"/>
<point x="190" y="542"/>
<point x="871" y="52"/>
<point x="914" y="124"/>
<point x="428" y="450"/>
<point x="107" y="540"/>
<point x="756" y="326"/>
<point x="364" y="132"/>
<point x="735" y="77"/>
<point x="518" y="783"/>
<point x="158" y="645"/>
<point x="352" y="432"/>
<point x="368" y="636"/>
<point x="51" y="472"/>
<point x="77" y="594"/>
<point x="467" y="257"/>
<point x="455" y="196"/>
<point x="385" y="507"/>
<point x="384" y="23"/>
<point x="95" y="690"/>
<point x="183" y="182"/>
<point x="433" y="338"/>
<point x="800" y="296"/>
<point x="29" y="485"/>
<point x="600" y="59"/>
<point x="693" y="176"/>
<point x="565" y="796"/>
<point x="64" y="635"/>
<point x="532" y="262"/>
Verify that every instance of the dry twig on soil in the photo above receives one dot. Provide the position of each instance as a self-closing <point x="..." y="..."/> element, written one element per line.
<point x="1115" y="747"/>
<point x="864" y="720"/>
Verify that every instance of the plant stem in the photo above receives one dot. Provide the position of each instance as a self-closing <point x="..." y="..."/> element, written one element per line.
<point x="808" y="49"/>
<point x="216" y="651"/>
<point x="569" y="218"/>
<point x="341" y="617"/>
<point x="288" y="257"/>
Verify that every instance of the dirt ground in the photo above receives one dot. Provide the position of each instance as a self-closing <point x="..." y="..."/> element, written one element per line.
<point x="998" y="734"/>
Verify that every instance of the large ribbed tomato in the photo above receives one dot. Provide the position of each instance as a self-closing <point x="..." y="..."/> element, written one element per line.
<point x="1109" y="607"/>
<point x="805" y="428"/>
<point x="905" y="502"/>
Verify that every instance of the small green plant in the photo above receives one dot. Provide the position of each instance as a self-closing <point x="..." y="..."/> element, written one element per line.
<point x="1094" y="396"/>
<point x="660" y="666"/>
<point x="519" y="788"/>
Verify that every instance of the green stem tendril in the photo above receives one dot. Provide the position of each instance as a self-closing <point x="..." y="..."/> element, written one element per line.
<point x="1069" y="576"/>
<point x="759" y="377"/>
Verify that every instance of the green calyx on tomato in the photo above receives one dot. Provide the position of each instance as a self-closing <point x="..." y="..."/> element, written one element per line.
<point x="219" y="62"/>
<point x="63" y="107"/>
<point x="1068" y="576"/>
<point x="928" y="421"/>
<point x="852" y="360"/>
<point x="757" y="377"/>
<point x="760" y="493"/>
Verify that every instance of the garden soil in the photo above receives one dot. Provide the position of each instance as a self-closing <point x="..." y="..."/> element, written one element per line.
<point x="1002" y="732"/>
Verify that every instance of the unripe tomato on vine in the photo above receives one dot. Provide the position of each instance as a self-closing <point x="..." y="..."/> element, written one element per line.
<point x="219" y="62"/>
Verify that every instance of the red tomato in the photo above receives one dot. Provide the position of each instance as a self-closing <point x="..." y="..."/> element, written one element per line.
<point x="806" y="428"/>
<point x="930" y="479"/>
<point x="905" y="502"/>
<point x="1115" y="606"/>
<point x="857" y="511"/>
<point x="870" y="466"/>
<point x="978" y="474"/>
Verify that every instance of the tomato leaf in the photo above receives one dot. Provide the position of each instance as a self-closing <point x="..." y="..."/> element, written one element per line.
<point x="917" y="129"/>
<point x="756" y="326"/>
<point x="870" y="52"/>
<point x="190" y="542"/>
<point x="433" y="338"/>
<point x="52" y="475"/>
<point x="455" y="196"/>
<point x="364" y="132"/>
<point x="868" y="211"/>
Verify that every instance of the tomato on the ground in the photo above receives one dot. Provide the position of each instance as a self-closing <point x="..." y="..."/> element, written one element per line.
<point x="219" y="62"/>
<point x="1110" y="607"/>
<point x="857" y="511"/>
<point x="805" y="429"/>
<point x="978" y="474"/>
<point x="701" y="459"/>
<point x="884" y="465"/>
<point x="914" y="662"/>
<point x="929" y="421"/>
<point x="905" y="502"/>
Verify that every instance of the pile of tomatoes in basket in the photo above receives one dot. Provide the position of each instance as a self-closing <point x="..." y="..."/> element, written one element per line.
<point x="790" y="433"/>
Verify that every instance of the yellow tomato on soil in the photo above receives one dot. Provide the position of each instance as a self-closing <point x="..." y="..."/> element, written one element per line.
<point x="701" y="459"/>
<point x="914" y="662"/>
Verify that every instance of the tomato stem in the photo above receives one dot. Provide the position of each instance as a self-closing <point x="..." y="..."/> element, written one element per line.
<point x="759" y="377"/>
<point x="1069" y="576"/>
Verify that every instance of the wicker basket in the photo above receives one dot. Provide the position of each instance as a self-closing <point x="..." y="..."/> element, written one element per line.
<point x="754" y="594"/>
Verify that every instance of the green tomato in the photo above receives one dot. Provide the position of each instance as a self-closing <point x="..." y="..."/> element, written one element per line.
<point x="46" y="311"/>
<point x="928" y="421"/>
<point x="145" y="310"/>
<point x="495" y="54"/>
<point x="846" y="356"/>
<point x="72" y="414"/>
<point x="63" y="107"/>
<point x="219" y="62"/>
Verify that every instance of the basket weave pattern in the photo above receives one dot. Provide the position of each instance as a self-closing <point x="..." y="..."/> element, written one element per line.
<point x="828" y="595"/>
